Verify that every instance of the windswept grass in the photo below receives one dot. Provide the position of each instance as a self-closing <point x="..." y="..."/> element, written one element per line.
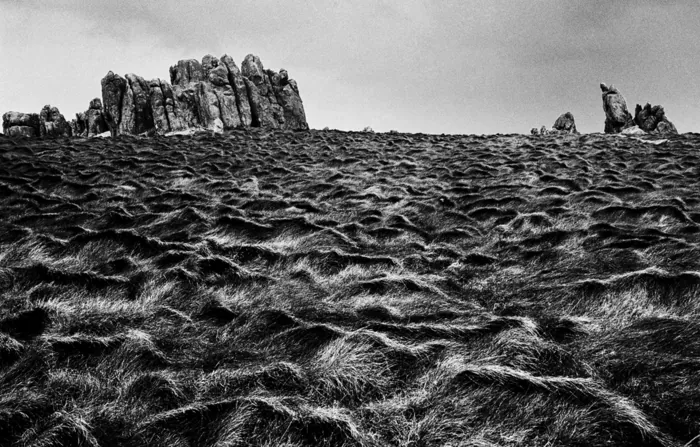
<point x="349" y="289"/>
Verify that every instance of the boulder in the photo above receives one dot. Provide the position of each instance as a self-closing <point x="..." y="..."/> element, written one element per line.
<point x="565" y="123"/>
<point x="52" y="123"/>
<point x="653" y="119"/>
<point x="113" y="90"/>
<point x="544" y="130"/>
<point x="20" y="124"/>
<point x="534" y="131"/>
<point x="617" y="117"/>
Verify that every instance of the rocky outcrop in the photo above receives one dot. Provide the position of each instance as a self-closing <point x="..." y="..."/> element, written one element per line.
<point x="52" y="123"/>
<point x="15" y="124"/>
<point x="565" y="123"/>
<point x="95" y="121"/>
<point x="287" y="94"/>
<point x="214" y="94"/>
<point x="263" y="102"/>
<point x="617" y="117"/>
<point x="653" y="120"/>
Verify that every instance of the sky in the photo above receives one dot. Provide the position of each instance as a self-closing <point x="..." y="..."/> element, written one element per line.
<point x="431" y="66"/>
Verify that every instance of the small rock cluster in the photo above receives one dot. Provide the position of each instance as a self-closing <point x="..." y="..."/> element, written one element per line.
<point x="565" y="124"/>
<point x="47" y="123"/>
<point x="646" y="119"/>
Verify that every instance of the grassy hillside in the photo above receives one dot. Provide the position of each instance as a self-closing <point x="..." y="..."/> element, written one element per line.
<point x="350" y="289"/>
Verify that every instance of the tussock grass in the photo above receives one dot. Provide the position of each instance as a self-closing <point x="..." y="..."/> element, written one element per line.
<point x="349" y="289"/>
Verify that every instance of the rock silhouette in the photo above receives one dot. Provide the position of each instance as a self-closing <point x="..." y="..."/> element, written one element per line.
<point x="565" y="123"/>
<point x="653" y="119"/>
<point x="617" y="117"/>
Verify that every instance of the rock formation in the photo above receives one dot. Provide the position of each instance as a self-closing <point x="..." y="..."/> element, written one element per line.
<point x="95" y="119"/>
<point x="52" y="123"/>
<point x="213" y="94"/>
<point x="91" y="122"/>
<point x="565" y="123"/>
<point x="237" y="82"/>
<point x="15" y="124"/>
<point x="617" y="117"/>
<point x="653" y="120"/>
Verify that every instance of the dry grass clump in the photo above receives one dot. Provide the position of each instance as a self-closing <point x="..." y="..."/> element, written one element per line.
<point x="349" y="289"/>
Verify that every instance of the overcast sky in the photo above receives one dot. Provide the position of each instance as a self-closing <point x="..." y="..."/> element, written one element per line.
<point x="433" y="66"/>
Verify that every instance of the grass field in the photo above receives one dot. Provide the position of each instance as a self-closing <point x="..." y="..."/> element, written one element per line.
<point x="350" y="289"/>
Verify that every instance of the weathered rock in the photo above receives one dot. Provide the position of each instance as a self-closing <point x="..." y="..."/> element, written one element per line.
<point x="634" y="130"/>
<point x="565" y="123"/>
<point x="52" y="123"/>
<point x="21" y="131"/>
<point x="224" y="104"/>
<point x="79" y="126"/>
<point x="20" y="124"/>
<point x="617" y="117"/>
<point x="287" y="94"/>
<point x="534" y="131"/>
<point x="263" y="102"/>
<point x="237" y="82"/>
<point x="113" y="90"/>
<point x="157" y="100"/>
<point x="137" y="116"/>
<point x="653" y="119"/>
<point x="544" y="130"/>
<point x="213" y="94"/>
<point x="172" y="108"/>
<point x="184" y="78"/>
<point x="95" y="119"/>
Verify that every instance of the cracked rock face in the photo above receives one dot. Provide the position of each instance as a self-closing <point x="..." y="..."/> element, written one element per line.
<point x="653" y="120"/>
<point x="617" y="117"/>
